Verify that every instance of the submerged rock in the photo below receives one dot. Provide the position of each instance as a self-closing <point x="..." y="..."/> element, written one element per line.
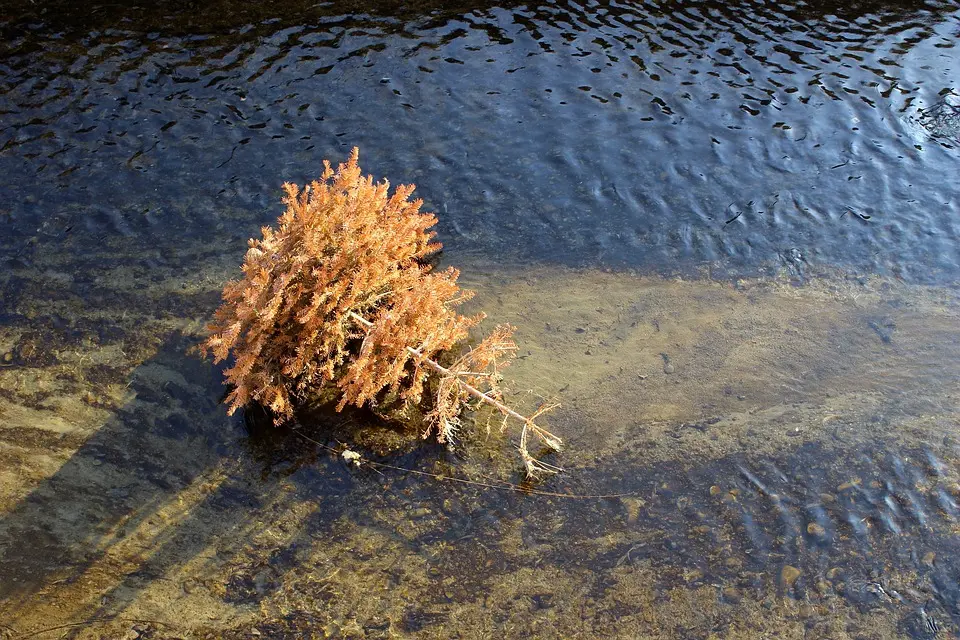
<point x="788" y="575"/>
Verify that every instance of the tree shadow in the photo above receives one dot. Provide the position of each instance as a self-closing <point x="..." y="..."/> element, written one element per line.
<point x="142" y="497"/>
<point x="172" y="497"/>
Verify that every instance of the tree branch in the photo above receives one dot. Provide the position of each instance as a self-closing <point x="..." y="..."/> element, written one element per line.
<point x="548" y="438"/>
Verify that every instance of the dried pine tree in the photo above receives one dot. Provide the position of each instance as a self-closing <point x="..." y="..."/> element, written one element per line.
<point x="338" y="294"/>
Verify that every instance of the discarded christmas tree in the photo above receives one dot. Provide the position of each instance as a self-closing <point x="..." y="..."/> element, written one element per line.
<point x="339" y="295"/>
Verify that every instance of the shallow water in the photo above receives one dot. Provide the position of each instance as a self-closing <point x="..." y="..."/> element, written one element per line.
<point x="767" y="446"/>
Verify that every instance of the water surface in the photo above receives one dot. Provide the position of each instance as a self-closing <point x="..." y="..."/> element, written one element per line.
<point x="665" y="136"/>
<point x="727" y="234"/>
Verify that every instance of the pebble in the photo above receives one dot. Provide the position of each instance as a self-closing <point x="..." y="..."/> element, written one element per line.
<point x="807" y="611"/>
<point x="7" y="357"/>
<point x="668" y="368"/>
<point x="694" y="575"/>
<point x="731" y="595"/>
<point x="789" y="575"/>
<point x="715" y="490"/>
<point x="929" y="558"/>
<point x="815" y="529"/>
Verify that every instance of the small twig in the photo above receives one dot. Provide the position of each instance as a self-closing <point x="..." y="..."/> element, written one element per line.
<point x="626" y="557"/>
<point x="502" y="485"/>
<point x="331" y="575"/>
<point x="33" y="634"/>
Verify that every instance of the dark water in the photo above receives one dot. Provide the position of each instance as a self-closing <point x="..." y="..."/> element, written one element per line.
<point x="140" y="146"/>
<point x="662" y="136"/>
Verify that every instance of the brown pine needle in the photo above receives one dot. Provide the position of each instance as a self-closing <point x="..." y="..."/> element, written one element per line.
<point x="338" y="294"/>
<point x="533" y="466"/>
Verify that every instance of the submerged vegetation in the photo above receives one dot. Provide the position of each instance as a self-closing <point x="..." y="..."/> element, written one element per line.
<point x="340" y="295"/>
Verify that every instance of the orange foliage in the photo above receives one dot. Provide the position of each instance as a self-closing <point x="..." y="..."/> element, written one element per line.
<point x="339" y="294"/>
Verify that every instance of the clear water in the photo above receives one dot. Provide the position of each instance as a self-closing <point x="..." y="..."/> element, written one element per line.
<point x="774" y="435"/>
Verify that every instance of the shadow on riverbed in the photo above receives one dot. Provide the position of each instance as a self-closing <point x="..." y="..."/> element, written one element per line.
<point x="149" y="493"/>
<point x="174" y="506"/>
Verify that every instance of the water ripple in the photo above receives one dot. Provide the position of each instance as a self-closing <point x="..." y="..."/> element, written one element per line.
<point x="662" y="136"/>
